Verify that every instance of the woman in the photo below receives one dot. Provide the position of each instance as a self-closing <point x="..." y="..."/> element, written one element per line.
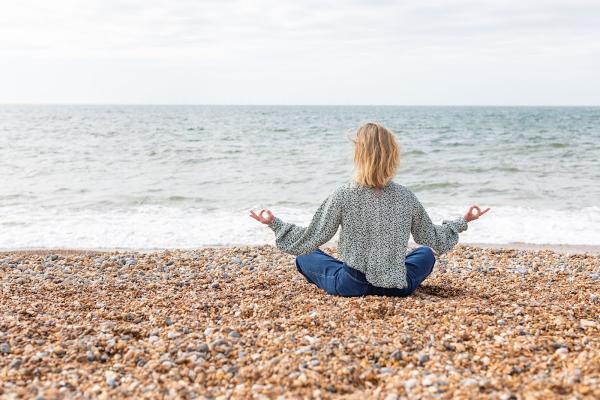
<point x="377" y="217"/>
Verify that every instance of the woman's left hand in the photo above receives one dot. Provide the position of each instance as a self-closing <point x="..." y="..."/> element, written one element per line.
<point x="260" y="218"/>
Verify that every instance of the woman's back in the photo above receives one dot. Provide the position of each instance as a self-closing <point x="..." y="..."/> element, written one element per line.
<point x="375" y="227"/>
<point x="375" y="231"/>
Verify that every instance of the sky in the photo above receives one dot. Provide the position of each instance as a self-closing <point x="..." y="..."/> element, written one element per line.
<point x="425" y="52"/>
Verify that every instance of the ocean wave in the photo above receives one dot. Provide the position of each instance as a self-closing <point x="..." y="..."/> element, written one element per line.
<point x="434" y="186"/>
<point x="413" y="153"/>
<point x="155" y="226"/>
<point x="558" y="145"/>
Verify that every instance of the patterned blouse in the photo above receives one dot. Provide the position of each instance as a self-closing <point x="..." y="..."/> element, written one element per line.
<point x="376" y="226"/>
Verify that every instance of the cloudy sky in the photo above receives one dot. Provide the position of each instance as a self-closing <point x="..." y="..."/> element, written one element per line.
<point x="300" y="52"/>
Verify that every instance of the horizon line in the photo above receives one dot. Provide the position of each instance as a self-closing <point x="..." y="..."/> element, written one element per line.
<point x="298" y="105"/>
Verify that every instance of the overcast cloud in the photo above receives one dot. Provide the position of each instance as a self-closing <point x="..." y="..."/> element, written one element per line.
<point x="300" y="52"/>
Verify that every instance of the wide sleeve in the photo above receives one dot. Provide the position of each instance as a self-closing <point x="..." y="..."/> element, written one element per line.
<point x="298" y="240"/>
<point x="441" y="238"/>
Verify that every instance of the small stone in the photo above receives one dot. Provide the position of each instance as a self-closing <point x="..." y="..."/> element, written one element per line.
<point x="585" y="323"/>
<point x="410" y="384"/>
<point x="469" y="382"/>
<point x="232" y="370"/>
<point x="214" y="285"/>
<point x="172" y="335"/>
<point x="16" y="363"/>
<point x="168" y="321"/>
<point x="423" y="358"/>
<point x="111" y="380"/>
<point x="521" y="270"/>
<point x="561" y="351"/>
<point x="427" y="381"/>
<point x="90" y="356"/>
<point x="235" y="334"/>
<point x="5" y="348"/>
<point x="220" y="346"/>
<point x="558" y="345"/>
<point x="392" y="396"/>
<point x="203" y="348"/>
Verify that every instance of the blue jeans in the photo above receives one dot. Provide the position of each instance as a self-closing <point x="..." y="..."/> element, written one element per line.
<point x="337" y="278"/>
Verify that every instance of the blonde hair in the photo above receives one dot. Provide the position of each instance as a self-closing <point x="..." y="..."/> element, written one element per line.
<point x="376" y="155"/>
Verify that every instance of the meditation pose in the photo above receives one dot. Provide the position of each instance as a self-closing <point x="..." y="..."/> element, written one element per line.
<point x="377" y="217"/>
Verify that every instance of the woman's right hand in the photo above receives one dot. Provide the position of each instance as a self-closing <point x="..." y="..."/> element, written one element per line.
<point x="474" y="213"/>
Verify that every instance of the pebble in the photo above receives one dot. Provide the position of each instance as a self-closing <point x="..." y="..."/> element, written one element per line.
<point x="5" y="348"/>
<point x="469" y="382"/>
<point x="236" y="260"/>
<point x="584" y="323"/>
<point x="427" y="381"/>
<point x="203" y="348"/>
<point x="561" y="351"/>
<point x="410" y="384"/>
<point x="111" y="379"/>
<point x="16" y="363"/>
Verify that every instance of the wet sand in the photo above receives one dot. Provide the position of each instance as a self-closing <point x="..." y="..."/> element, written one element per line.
<point x="240" y="322"/>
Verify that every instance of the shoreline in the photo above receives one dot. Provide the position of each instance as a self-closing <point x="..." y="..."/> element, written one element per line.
<point x="556" y="248"/>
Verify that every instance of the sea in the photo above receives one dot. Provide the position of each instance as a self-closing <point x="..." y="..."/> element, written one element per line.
<point x="156" y="177"/>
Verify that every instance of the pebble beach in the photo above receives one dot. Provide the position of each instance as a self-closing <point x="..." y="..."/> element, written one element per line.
<point x="241" y="322"/>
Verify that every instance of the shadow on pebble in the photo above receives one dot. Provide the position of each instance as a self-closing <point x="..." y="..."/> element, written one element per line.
<point x="445" y="292"/>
